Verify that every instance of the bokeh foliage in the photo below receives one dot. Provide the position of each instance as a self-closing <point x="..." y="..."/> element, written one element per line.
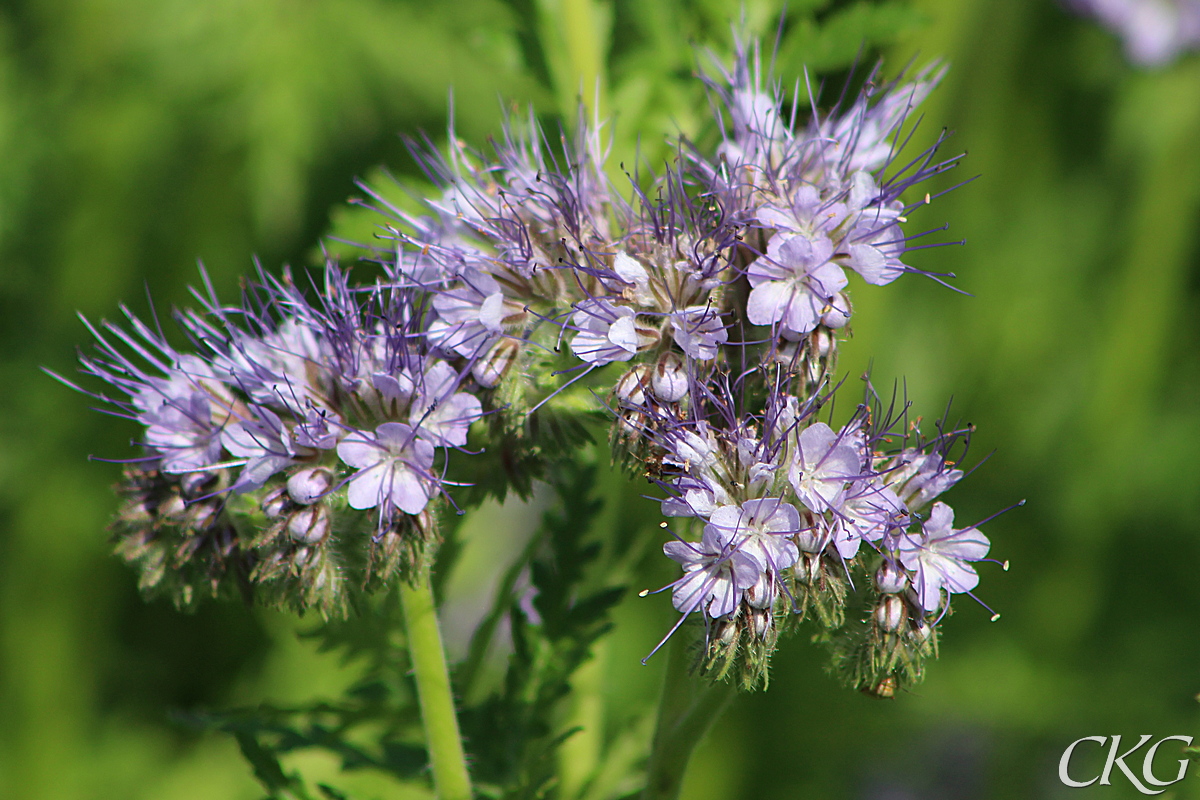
<point x="139" y="136"/>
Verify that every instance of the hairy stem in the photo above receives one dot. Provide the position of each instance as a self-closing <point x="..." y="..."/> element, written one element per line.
<point x="689" y="706"/>
<point x="448" y="762"/>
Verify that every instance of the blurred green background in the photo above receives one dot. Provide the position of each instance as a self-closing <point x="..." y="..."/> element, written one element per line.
<point x="140" y="135"/>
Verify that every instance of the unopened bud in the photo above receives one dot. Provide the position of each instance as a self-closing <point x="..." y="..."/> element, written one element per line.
<point x="728" y="632"/>
<point x="762" y="622"/>
<point x="490" y="369"/>
<point x="838" y="313"/>
<point x="275" y="503"/>
<point x="173" y="508"/>
<point x="632" y="386"/>
<point x="762" y="593"/>
<point x="309" y="485"/>
<point x="309" y="525"/>
<point x="889" y="614"/>
<point x="196" y="484"/>
<point x="822" y="342"/>
<point x="201" y="515"/>
<point x="811" y="540"/>
<point x="890" y="578"/>
<point x="670" y="380"/>
<point x="807" y="568"/>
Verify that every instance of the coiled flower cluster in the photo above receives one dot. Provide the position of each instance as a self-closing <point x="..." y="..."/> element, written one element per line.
<point x="302" y="448"/>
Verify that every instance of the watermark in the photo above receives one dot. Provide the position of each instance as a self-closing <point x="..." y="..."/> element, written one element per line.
<point x="1117" y="759"/>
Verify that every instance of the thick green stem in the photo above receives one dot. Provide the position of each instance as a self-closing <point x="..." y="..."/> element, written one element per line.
<point x="449" y="763"/>
<point x="689" y="706"/>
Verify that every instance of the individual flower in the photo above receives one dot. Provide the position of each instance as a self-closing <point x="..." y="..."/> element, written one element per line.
<point x="184" y="415"/>
<point x="794" y="282"/>
<point x="698" y="331"/>
<point x="938" y="556"/>
<point x="472" y="314"/>
<point x="762" y="529"/>
<point x="607" y="332"/>
<point x="715" y="573"/>
<point x="824" y="462"/>
<point x="918" y="477"/>
<point x="868" y="511"/>
<point x="393" y="466"/>
<point x="438" y="412"/>
<point x="264" y="443"/>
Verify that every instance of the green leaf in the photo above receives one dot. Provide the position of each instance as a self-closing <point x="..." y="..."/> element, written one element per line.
<point x="845" y="35"/>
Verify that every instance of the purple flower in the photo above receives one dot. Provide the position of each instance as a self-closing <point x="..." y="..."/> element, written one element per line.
<point x="762" y="529"/>
<point x="471" y="315"/>
<point x="607" y="332"/>
<point x="393" y="468"/>
<point x="264" y="443"/>
<point x="938" y="556"/>
<point x="868" y="511"/>
<point x="183" y="414"/>
<point x="715" y="573"/>
<point x="698" y="331"/>
<point x="440" y="414"/>
<point x="699" y="489"/>
<point x="863" y="137"/>
<point x="824" y="462"/>
<point x="875" y="241"/>
<point x="793" y="282"/>
<point x="920" y="477"/>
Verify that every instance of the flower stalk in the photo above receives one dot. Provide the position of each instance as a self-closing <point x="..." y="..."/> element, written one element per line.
<point x="446" y="757"/>
<point x="689" y="706"/>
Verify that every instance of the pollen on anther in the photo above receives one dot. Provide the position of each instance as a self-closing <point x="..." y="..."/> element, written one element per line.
<point x="662" y="524"/>
<point x="1004" y="566"/>
<point x="995" y="617"/>
<point x="643" y="592"/>
<point x="928" y="199"/>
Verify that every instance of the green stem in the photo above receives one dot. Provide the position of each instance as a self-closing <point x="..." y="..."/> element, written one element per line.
<point x="689" y="706"/>
<point x="449" y="763"/>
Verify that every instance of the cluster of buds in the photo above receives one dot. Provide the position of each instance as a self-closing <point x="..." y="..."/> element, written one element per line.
<point x="307" y="438"/>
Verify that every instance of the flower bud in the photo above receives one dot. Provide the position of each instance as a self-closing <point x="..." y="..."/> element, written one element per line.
<point x="670" y="380"/>
<point x="201" y="515"/>
<point x="822" y="342"/>
<point x="811" y="540"/>
<point x="173" y="508"/>
<point x="309" y="525"/>
<point x="890" y="578"/>
<point x="921" y="631"/>
<point x="838" y="313"/>
<point x="309" y="485"/>
<point x="490" y="369"/>
<point x="889" y="614"/>
<point x="807" y="568"/>
<point x="275" y="503"/>
<point x="762" y="593"/>
<point x="195" y="484"/>
<point x="632" y="386"/>
<point x="762" y="622"/>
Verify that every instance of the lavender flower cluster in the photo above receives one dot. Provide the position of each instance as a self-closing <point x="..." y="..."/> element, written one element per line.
<point x="305" y="443"/>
